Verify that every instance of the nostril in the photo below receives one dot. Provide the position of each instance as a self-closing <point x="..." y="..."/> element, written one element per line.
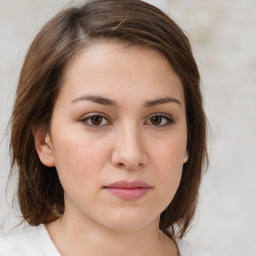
<point x="129" y="167"/>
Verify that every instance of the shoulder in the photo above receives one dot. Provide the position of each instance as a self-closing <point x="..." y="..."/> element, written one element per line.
<point x="187" y="249"/>
<point x="20" y="242"/>
<point x="27" y="242"/>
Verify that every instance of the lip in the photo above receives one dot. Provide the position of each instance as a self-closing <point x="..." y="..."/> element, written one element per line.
<point x="127" y="190"/>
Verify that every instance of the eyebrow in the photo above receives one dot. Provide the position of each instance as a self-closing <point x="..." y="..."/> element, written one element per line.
<point x="108" y="102"/>
<point x="97" y="99"/>
<point x="160" y="101"/>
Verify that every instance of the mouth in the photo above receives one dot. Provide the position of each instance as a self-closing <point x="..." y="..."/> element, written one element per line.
<point x="128" y="191"/>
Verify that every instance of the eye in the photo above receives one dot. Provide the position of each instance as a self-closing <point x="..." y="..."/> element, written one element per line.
<point x="95" y="120"/>
<point x="160" y="120"/>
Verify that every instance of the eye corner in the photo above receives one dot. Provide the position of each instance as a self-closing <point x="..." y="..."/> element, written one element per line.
<point x="163" y="120"/>
<point x="101" y="120"/>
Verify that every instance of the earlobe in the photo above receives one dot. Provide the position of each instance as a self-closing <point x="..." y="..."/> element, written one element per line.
<point x="43" y="145"/>
<point x="186" y="157"/>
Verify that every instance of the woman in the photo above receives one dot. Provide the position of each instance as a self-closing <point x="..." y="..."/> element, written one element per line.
<point x="108" y="135"/>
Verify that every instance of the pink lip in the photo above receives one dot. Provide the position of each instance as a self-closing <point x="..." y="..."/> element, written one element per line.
<point x="128" y="190"/>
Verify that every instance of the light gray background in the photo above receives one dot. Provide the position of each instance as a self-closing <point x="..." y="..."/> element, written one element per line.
<point x="223" y="36"/>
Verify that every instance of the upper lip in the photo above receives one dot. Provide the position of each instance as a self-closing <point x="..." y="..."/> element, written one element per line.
<point x="129" y="184"/>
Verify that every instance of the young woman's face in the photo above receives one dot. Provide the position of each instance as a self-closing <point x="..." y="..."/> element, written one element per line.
<point x="118" y="136"/>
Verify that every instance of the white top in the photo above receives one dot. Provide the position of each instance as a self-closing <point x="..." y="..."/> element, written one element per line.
<point x="35" y="241"/>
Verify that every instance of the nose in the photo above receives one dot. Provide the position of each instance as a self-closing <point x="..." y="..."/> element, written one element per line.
<point x="129" y="150"/>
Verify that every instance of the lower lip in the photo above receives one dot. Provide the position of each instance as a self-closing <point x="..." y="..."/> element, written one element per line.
<point x="128" y="194"/>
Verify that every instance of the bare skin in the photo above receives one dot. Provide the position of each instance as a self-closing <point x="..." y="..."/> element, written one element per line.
<point x="120" y="115"/>
<point x="127" y="243"/>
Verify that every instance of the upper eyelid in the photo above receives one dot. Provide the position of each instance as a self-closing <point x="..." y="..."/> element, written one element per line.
<point x="92" y="114"/>
<point x="104" y="115"/>
<point x="87" y="117"/>
<point x="161" y="114"/>
<point x="169" y="118"/>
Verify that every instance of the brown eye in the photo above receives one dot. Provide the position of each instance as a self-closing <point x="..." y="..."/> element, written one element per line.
<point x="156" y="120"/>
<point x="160" y="120"/>
<point x="96" y="120"/>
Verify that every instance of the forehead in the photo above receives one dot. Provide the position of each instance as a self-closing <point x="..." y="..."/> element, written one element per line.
<point x="106" y="67"/>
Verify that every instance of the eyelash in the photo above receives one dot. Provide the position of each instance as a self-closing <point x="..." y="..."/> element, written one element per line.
<point x="92" y="115"/>
<point x="168" y="120"/>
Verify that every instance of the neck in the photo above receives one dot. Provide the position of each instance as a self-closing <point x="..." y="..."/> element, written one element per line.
<point x="89" y="238"/>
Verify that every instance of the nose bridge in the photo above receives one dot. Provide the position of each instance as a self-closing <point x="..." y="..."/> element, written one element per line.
<point x="129" y="149"/>
<point x="131" y="139"/>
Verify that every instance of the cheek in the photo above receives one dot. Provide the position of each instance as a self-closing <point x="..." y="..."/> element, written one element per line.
<point x="169" y="159"/>
<point x="78" y="158"/>
<point x="77" y="146"/>
<point x="172" y="153"/>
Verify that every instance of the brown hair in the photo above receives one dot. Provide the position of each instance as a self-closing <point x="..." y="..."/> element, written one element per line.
<point x="40" y="193"/>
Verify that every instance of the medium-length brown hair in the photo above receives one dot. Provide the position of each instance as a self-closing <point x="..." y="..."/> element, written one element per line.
<point x="40" y="194"/>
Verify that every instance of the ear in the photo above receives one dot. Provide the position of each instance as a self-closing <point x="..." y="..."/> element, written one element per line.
<point x="43" y="146"/>
<point x="186" y="157"/>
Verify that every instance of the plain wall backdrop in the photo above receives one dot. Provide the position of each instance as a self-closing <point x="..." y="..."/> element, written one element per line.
<point x="223" y="37"/>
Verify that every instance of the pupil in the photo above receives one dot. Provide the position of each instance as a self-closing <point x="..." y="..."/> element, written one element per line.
<point x="156" y="120"/>
<point x="96" y="120"/>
